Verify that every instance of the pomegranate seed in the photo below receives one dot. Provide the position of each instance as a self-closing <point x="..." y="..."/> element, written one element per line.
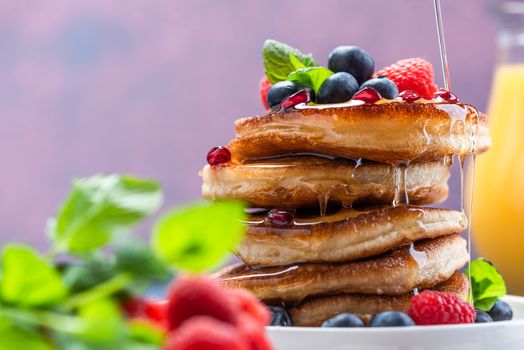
<point x="280" y="217"/>
<point x="409" y="96"/>
<point x="218" y="155"/>
<point x="368" y="95"/>
<point x="301" y="96"/>
<point x="446" y="96"/>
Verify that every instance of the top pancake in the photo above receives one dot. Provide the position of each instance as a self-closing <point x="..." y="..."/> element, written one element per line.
<point x="387" y="132"/>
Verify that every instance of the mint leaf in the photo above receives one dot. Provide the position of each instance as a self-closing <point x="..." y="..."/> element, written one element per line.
<point x="144" y="332"/>
<point x="313" y="77"/>
<point x="28" y="279"/>
<point x="196" y="238"/>
<point x="100" y="206"/>
<point x="139" y="259"/>
<point x="487" y="284"/>
<point x="281" y="59"/>
<point x="101" y="321"/>
<point x="13" y="337"/>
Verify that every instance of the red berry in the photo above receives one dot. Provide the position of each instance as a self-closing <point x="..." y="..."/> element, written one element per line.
<point x="368" y="95"/>
<point x="249" y="306"/>
<point x="446" y="96"/>
<point x="280" y="217"/>
<point x="436" y="308"/>
<point x="301" y="96"/>
<point x="206" y="333"/>
<point x="409" y="96"/>
<point x="254" y="334"/>
<point x="199" y="296"/>
<point x="264" y="87"/>
<point x="218" y="155"/>
<point x="411" y="74"/>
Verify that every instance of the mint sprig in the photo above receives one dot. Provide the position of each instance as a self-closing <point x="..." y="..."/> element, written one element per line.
<point x="487" y="285"/>
<point x="313" y="77"/>
<point x="69" y="298"/>
<point x="281" y="59"/>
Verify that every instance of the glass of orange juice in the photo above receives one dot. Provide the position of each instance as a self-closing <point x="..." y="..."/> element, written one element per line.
<point x="498" y="198"/>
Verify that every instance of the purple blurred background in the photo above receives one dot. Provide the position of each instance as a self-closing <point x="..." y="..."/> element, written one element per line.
<point x="148" y="87"/>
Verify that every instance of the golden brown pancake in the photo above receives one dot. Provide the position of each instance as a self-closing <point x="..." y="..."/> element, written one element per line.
<point x="344" y="236"/>
<point x="388" y="132"/>
<point x="395" y="273"/>
<point x="313" y="312"/>
<point x="301" y="181"/>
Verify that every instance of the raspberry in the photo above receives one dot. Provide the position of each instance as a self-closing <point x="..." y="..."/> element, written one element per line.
<point x="250" y="306"/>
<point x="147" y="309"/>
<point x="264" y="87"/>
<point x="436" y="308"/>
<point x="199" y="296"/>
<point x="206" y="333"/>
<point x="411" y="74"/>
<point x="253" y="333"/>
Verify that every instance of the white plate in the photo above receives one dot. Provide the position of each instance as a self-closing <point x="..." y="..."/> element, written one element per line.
<point x="507" y="335"/>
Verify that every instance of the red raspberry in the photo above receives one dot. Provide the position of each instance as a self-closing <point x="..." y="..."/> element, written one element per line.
<point x="253" y="333"/>
<point x="435" y="308"/>
<point x="250" y="306"/>
<point x="199" y="296"/>
<point x="264" y="87"/>
<point x="147" y="309"/>
<point x="206" y="333"/>
<point x="412" y="74"/>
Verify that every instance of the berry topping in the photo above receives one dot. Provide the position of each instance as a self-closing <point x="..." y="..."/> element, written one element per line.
<point x="409" y="96"/>
<point x="385" y="87"/>
<point x="249" y="306"/>
<point x="391" y="319"/>
<point x="412" y="74"/>
<point x="218" y="155"/>
<point x="339" y="87"/>
<point x="282" y="90"/>
<point x="205" y="333"/>
<point x="352" y="60"/>
<point x="198" y="296"/>
<point x="437" y="308"/>
<point x="280" y="317"/>
<point x="264" y="87"/>
<point x="302" y="96"/>
<point x="368" y="95"/>
<point x="280" y="217"/>
<point x="501" y="311"/>
<point x="446" y="96"/>
<point x="344" y="320"/>
<point x="254" y="334"/>
<point x="482" y="317"/>
<point x="151" y="310"/>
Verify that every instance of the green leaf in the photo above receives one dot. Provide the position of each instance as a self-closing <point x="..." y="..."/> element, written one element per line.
<point x="313" y="77"/>
<point x="197" y="238"/>
<point x="102" y="321"/>
<point x="487" y="284"/>
<point x="281" y="59"/>
<point x="89" y="273"/>
<point x="145" y="332"/>
<point x="100" y="206"/>
<point x="139" y="259"/>
<point x="14" y="338"/>
<point x="28" y="279"/>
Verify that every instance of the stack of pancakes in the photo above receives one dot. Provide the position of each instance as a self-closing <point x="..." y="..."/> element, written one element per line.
<point x="351" y="179"/>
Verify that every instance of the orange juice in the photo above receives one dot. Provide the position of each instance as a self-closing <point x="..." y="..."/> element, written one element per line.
<point x="498" y="202"/>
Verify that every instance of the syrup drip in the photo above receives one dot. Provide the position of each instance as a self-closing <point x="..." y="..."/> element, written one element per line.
<point x="421" y="258"/>
<point x="401" y="193"/>
<point x="323" y="200"/>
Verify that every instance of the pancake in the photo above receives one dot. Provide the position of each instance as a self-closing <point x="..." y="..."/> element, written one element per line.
<point x="387" y="132"/>
<point x="344" y="236"/>
<point x="313" y="312"/>
<point x="291" y="182"/>
<point x="395" y="273"/>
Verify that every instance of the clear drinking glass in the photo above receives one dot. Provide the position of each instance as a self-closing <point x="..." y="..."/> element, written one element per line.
<point x="498" y="199"/>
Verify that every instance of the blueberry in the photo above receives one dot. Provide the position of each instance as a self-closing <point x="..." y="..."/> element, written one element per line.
<point x="339" y="87"/>
<point x="482" y="317"/>
<point x="501" y="311"/>
<point x="344" y="320"/>
<point x="282" y="90"/>
<point x="352" y="60"/>
<point x="391" y="319"/>
<point x="385" y="87"/>
<point x="280" y="317"/>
